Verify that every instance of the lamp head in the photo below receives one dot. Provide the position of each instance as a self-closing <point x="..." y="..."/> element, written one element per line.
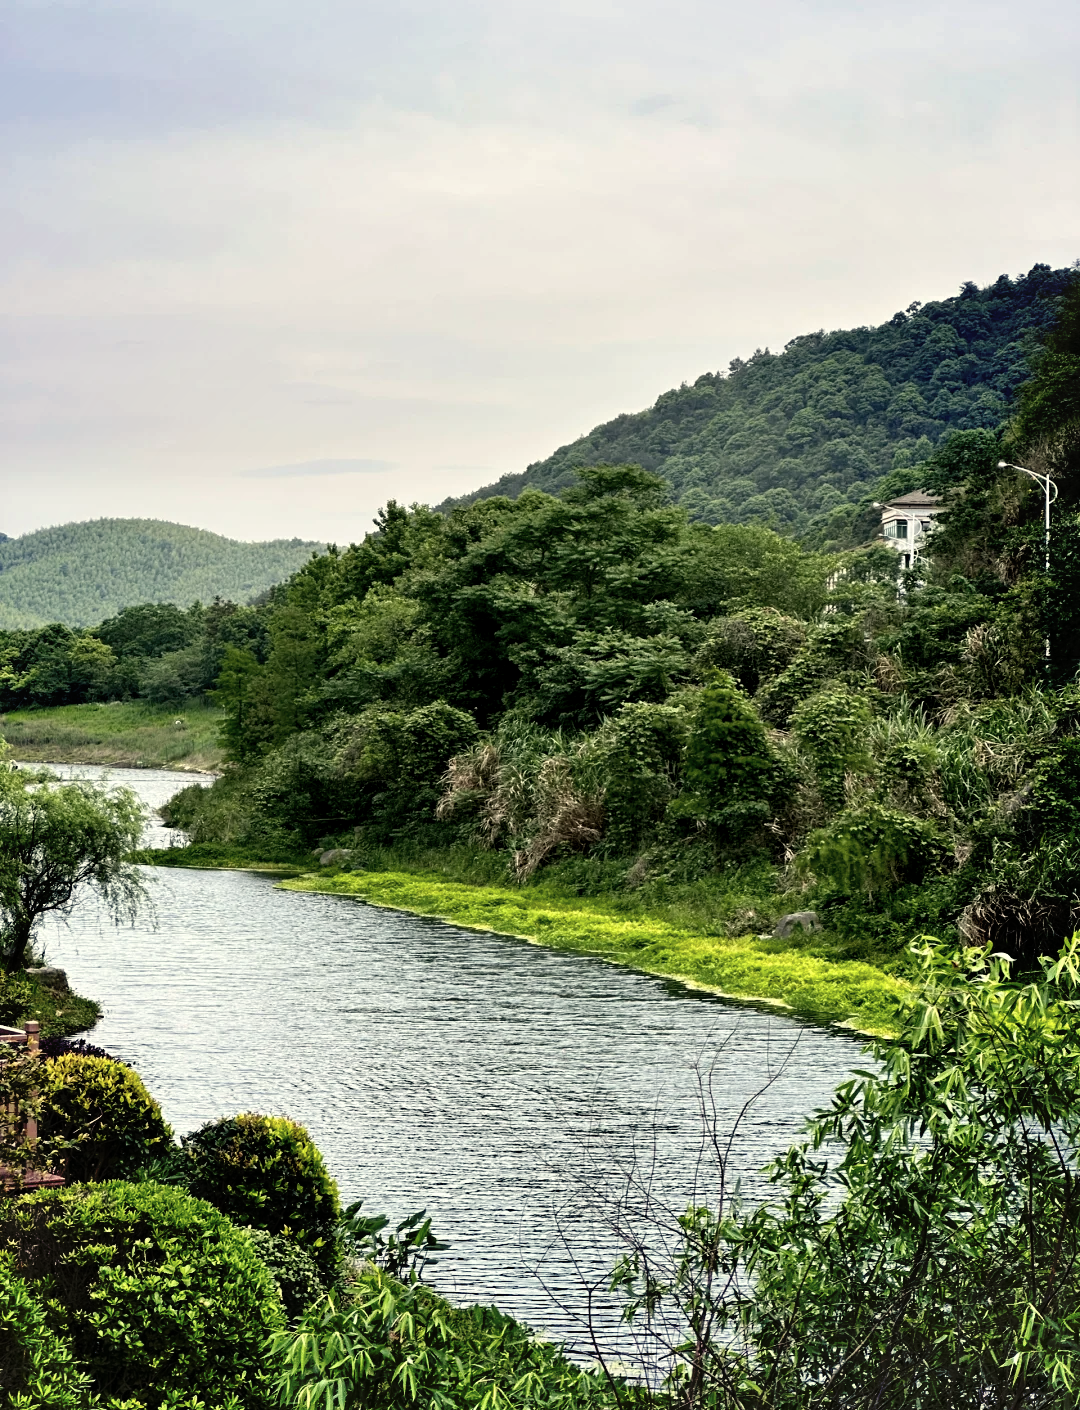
<point x="1003" y="465"/>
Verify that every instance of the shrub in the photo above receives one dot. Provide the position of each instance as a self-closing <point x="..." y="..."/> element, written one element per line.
<point x="57" y="1047"/>
<point x="398" y="1344"/>
<point x="103" y="1106"/>
<point x="16" y="996"/>
<point x="37" y="1367"/>
<point x="753" y="645"/>
<point x="160" y="1297"/>
<point x="872" y="849"/>
<point x="267" y="1172"/>
<point x="833" y="647"/>
<point x="292" y="1268"/>
<point x="729" y="772"/>
<point x="831" y="727"/>
<point x="639" y="758"/>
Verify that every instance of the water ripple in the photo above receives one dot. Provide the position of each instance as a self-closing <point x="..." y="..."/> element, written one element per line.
<point x="478" y="1076"/>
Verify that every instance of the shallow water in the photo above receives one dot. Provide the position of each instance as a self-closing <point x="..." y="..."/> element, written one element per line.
<point x="494" y="1083"/>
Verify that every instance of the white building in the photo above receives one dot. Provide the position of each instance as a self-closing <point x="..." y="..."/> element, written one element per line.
<point x="906" y="522"/>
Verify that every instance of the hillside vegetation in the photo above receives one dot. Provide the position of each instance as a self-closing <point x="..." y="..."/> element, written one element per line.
<point x="800" y="439"/>
<point x="79" y="574"/>
<point x="588" y="692"/>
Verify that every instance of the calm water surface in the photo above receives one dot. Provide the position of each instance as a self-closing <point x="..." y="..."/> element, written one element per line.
<point x="484" y="1079"/>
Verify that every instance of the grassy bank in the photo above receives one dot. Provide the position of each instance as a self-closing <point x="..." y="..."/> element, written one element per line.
<point x="60" y="1012"/>
<point x="126" y="733"/>
<point x="784" y="972"/>
<point x="702" y="933"/>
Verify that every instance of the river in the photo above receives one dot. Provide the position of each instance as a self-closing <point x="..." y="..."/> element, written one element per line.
<point x="505" y="1088"/>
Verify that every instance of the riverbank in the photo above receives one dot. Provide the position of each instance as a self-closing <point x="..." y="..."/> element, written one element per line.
<point x="60" y="1012"/>
<point x="127" y="734"/>
<point x="785" y="973"/>
<point x="802" y="974"/>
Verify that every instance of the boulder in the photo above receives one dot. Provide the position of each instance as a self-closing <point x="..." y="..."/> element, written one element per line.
<point x="335" y="857"/>
<point x="50" y="976"/>
<point x="804" y="920"/>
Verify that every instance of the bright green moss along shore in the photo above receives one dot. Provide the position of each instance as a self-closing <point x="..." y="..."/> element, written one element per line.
<point x="776" y="971"/>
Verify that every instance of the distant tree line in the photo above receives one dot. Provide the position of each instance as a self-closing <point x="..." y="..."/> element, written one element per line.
<point x="80" y="573"/>
<point x="157" y="652"/>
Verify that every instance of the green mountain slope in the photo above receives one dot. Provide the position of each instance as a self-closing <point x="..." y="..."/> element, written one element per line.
<point x="81" y="573"/>
<point x="798" y="438"/>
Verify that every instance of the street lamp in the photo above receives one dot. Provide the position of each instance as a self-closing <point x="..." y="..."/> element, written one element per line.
<point x="1047" y="484"/>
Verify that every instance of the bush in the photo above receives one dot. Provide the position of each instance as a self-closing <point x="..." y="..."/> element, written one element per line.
<point x="58" y="1047"/>
<point x="872" y="849"/>
<point x="160" y="1297"/>
<point x="103" y="1106"/>
<point x="292" y="1268"/>
<point x="639" y="758"/>
<point x="266" y="1171"/>
<point x="729" y="772"/>
<point x="37" y="1368"/>
<point x="831" y="727"/>
<point x="398" y="1344"/>
<point x="753" y="645"/>
<point x="16" y="997"/>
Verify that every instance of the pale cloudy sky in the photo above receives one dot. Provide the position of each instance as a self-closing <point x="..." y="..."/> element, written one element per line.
<point x="264" y="265"/>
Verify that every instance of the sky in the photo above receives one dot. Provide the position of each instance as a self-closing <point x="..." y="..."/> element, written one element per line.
<point x="265" y="265"/>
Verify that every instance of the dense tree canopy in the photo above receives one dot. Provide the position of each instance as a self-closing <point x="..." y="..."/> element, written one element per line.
<point x="79" y="573"/>
<point x="798" y="439"/>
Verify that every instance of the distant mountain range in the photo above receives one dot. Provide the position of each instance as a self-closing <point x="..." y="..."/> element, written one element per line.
<point x="798" y="439"/>
<point x="80" y="574"/>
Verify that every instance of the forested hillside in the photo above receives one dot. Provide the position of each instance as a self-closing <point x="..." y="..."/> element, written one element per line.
<point x="590" y="687"/>
<point x="799" y="439"/>
<point x="79" y="574"/>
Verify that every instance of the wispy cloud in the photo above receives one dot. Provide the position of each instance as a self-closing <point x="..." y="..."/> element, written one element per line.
<point x="319" y="467"/>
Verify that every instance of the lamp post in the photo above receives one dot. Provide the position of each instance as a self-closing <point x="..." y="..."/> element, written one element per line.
<point x="1047" y="484"/>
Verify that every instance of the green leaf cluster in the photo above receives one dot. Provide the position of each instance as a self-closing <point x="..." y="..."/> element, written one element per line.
<point x="158" y="1297"/>
<point x="266" y="1172"/>
<point x="100" y="1110"/>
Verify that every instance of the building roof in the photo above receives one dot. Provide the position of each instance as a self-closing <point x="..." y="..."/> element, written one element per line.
<point x="917" y="499"/>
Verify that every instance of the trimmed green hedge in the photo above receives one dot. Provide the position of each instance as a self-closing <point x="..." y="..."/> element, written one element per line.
<point x="104" y="1107"/>
<point x="37" y="1367"/>
<point x="161" y="1299"/>
<point x="265" y="1171"/>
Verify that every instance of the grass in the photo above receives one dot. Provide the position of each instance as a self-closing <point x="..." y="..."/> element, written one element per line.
<point x="125" y="733"/>
<point x="214" y="856"/>
<point x="779" y="972"/>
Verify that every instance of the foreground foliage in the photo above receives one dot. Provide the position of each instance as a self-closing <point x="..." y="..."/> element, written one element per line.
<point x="157" y="1294"/>
<point x="266" y="1172"/>
<point x="925" y="1247"/>
<point x="389" y="1345"/>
